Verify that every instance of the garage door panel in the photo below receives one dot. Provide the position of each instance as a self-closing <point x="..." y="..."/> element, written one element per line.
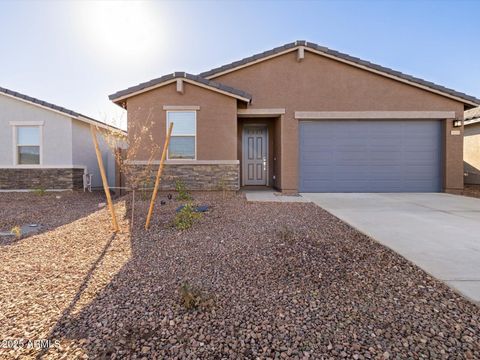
<point x="384" y="172"/>
<point x="386" y="143"/>
<point x="384" y="155"/>
<point x="421" y="172"/>
<point x="318" y="172"/>
<point x="315" y="157"/>
<point x="383" y="135"/>
<point x="316" y="134"/>
<point x="419" y="158"/>
<point x="370" y="156"/>
<point x="360" y="186"/>
<point x="349" y="154"/>
<point x="365" y="159"/>
<point x="420" y="143"/>
<point x="366" y="173"/>
<point x="421" y="127"/>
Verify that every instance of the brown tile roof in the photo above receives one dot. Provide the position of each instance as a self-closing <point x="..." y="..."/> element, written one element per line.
<point x="310" y="45"/>
<point x="180" y="75"/>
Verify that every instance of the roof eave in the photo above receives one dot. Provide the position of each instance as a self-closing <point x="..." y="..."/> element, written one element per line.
<point x="356" y="62"/>
<point x="56" y="109"/>
<point x="120" y="99"/>
<point x="100" y="124"/>
<point x="471" y="121"/>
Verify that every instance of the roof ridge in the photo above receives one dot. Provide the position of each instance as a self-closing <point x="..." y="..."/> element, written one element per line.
<point x="184" y="75"/>
<point x="344" y="56"/>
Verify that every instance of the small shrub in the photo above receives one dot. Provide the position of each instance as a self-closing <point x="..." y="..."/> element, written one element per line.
<point x="222" y="186"/>
<point x="192" y="298"/>
<point x="181" y="188"/>
<point x="144" y="192"/>
<point x="17" y="231"/>
<point x="40" y="191"/>
<point x="185" y="218"/>
<point x="286" y="234"/>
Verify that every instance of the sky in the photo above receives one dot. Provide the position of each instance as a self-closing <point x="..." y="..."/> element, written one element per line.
<point x="75" y="53"/>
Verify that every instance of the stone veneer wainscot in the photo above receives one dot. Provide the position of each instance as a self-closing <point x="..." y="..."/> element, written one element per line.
<point x="41" y="178"/>
<point x="195" y="175"/>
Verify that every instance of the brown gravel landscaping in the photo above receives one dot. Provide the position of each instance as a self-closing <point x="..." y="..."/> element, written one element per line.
<point x="260" y="280"/>
<point x="472" y="191"/>
<point x="48" y="210"/>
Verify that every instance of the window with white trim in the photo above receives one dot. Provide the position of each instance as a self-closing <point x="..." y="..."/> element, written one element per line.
<point x="28" y="145"/>
<point x="183" y="140"/>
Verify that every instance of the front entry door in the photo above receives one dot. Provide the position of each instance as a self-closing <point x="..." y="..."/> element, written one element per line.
<point x="255" y="155"/>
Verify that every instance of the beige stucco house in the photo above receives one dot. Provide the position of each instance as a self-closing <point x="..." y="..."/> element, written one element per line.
<point x="471" y="146"/>
<point x="45" y="146"/>
<point x="302" y="118"/>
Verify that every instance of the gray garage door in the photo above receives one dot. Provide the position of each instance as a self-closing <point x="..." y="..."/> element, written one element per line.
<point x="370" y="156"/>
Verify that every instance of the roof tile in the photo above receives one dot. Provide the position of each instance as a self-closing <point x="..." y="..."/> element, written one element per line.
<point x="175" y="75"/>
<point x="343" y="56"/>
<point x="49" y="105"/>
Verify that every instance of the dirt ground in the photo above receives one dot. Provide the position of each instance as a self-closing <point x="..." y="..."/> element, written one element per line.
<point x="266" y="280"/>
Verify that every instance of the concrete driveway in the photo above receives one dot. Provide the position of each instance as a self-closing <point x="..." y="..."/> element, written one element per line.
<point x="438" y="232"/>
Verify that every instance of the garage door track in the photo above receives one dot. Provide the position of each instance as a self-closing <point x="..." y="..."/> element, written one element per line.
<point x="438" y="232"/>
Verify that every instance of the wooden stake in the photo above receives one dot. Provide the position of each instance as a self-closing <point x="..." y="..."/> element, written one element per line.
<point x="104" y="178"/>
<point x="133" y="207"/>
<point x="159" y="174"/>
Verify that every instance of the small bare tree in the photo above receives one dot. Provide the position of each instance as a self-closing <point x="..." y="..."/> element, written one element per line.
<point x="139" y="144"/>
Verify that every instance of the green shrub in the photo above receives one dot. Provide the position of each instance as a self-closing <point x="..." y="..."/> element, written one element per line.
<point x="185" y="218"/>
<point x="286" y="234"/>
<point x="17" y="231"/>
<point x="145" y="194"/>
<point x="40" y="191"/>
<point x="192" y="298"/>
<point x="222" y="186"/>
<point x="181" y="188"/>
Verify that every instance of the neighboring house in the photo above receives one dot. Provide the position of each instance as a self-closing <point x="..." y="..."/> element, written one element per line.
<point x="301" y="117"/>
<point x="471" y="146"/>
<point x="44" y="146"/>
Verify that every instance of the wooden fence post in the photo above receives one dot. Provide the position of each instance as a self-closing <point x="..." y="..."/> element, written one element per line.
<point x="159" y="174"/>
<point x="104" y="178"/>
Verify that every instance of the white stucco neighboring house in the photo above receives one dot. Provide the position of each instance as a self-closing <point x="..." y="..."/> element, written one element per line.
<point x="471" y="146"/>
<point x="45" y="146"/>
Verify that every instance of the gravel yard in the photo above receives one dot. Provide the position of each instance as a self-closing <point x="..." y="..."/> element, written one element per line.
<point x="472" y="191"/>
<point x="271" y="280"/>
<point x="48" y="210"/>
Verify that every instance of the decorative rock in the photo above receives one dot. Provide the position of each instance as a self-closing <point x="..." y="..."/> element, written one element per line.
<point x="263" y="296"/>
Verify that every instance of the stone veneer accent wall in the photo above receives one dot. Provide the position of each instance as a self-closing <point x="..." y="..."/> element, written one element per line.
<point x="21" y="179"/>
<point x="194" y="176"/>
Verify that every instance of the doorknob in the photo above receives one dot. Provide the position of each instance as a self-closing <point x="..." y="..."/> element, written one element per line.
<point x="264" y="163"/>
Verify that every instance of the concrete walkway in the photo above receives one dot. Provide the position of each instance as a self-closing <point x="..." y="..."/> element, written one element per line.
<point x="438" y="232"/>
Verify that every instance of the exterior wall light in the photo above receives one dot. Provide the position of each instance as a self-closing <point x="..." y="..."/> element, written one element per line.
<point x="457" y="123"/>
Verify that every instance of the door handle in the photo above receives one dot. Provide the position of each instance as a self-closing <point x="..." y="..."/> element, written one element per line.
<point x="264" y="163"/>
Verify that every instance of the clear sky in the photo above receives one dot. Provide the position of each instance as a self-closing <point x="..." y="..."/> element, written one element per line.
<point x="76" y="53"/>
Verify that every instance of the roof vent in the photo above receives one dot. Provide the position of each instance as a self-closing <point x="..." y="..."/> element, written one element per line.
<point x="180" y="86"/>
<point x="300" y="53"/>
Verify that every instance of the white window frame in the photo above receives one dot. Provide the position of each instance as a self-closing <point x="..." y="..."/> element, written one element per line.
<point x="15" y="125"/>
<point x="193" y="135"/>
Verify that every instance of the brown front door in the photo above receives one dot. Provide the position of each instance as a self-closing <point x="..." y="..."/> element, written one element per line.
<point x="255" y="157"/>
